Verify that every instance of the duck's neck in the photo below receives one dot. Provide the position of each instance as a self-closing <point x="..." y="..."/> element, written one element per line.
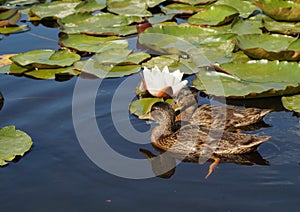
<point x="189" y="102"/>
<point x="165" y="128"/>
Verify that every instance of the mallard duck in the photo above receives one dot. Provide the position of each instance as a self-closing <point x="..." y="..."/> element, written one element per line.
<point x="218" y="117"/>
<point x="194" y="140"/>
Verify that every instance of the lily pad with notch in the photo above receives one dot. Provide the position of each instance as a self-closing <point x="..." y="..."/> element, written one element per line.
<point x="271" y="47"/>
<point x="112" y="63"/>
<point x="46" y="58"/>
<point x="13" y="143"/>
<point x="110" y="24"/>
<point x="94" y="44"/>
<point x="254" y="79"/>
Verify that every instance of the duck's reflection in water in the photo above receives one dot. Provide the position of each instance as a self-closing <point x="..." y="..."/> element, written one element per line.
<point x="164" y="163"/>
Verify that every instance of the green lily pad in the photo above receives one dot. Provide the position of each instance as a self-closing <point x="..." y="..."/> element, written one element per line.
<point x="87" y="43"/>
<point x="195" y="2"/>
<point x="214" y="15"/>
<point x="110" y="24"/>
<point x="252" y="25"/>
<point x="113" y="63"/>
<point x="291" y="102"/>
<point x="40" y="73"/>
<point x="199" y="43"/>
<point x="169" y="44"/>
<point x="245" y="8"/>
<point x="253" y="79"/>
<point x="195" y="35"/>
<point x="176" y="8"/>
<point x="51" y="73"/>
<point x="14" y="29"/>
<point x="128" y="7"/>
<point x="280" y="10"/>
<point x="54" y="9"/>
<point x="288" y="28"/>
<point x="90" y="6"/>
<point x="141" y="107"/>
<point x="272" y="47"/>
<point x="174" y="62"/>
<point x="46" y="58"/>
<point x="13" y="143"/>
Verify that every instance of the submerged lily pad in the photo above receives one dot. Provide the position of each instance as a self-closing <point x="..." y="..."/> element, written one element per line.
<point x="280" y="10"/>
<point x="113" y="63"/>
<point x="87" y="43"/>
<point x="110" y="24"/>
<point x="142" y="106"/>
<point x="214" y="15"/>
<point x="54" y="9"/>
<point x="291" y="102"/>
<point x="46" y="58"/>
<point x="13" y="143"/>
<point x="251" y="80"/>
<point x="272" y="47"/>
<point x="14" y="29"/>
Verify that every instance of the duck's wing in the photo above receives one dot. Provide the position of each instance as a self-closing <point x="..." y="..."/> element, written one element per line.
<point x="227" y="117"/>
<point x="239" y="117"/>
<point x="238" y="143"/>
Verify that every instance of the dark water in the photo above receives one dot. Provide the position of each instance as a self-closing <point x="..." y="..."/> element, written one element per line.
<point x="57" y="175"/>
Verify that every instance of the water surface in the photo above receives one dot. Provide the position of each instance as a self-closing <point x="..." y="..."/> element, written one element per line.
<point x="57" y="175"/>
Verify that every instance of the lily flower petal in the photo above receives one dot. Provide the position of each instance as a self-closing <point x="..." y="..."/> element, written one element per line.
<point x="163" y="83"/>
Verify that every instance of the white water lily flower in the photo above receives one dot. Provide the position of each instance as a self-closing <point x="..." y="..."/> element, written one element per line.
<point x="163" y="83"/>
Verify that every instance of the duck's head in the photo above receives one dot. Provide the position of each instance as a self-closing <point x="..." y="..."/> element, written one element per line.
<point x="187" y="97"/>
<point x="187" y="101"/>
<point x="163" y="113"/>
